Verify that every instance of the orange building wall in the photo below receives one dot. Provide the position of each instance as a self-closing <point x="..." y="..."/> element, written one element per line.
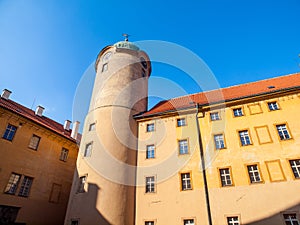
<point x="43" y="165"/>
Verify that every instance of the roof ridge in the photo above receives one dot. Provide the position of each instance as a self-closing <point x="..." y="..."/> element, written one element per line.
<point x="237" y="85"/>
<point x="30" y="114"/>
<point x="269" y="85"/>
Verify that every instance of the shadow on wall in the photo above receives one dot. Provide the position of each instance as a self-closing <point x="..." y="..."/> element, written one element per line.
<point x="84" y="203"/>
<point x="277" y="218"/>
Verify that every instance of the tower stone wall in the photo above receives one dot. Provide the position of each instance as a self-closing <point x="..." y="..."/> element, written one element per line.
<point x="106" y="165"/>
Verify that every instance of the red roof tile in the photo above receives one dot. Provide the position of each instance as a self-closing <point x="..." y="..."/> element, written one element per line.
<point x="227" y="94"/>
<point x="40" y="120"/>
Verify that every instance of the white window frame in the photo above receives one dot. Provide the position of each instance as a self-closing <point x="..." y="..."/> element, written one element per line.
<point x="150" y="152"/>
<point x="25" y="186"/>
<point x="10" y="132"/>
<point x="215" y="116"/>
<point x="245" y="137"/>
<point x="186" y="181"/>
<point x="188" y="222"/>
<point x="88" y="149"/>
<point x="181" y="122"/>
<point x="81" y="184"/>
<point x="92" y="126"/>
<point x="233" y="220"/>
<point x="219" y="141"/>
<point x="13" y="183"/>
<point x="225" y="176"/>
<point x="254" y="174"/>
<point x="149" y="222"/>
<point x="64" y="154"/>
<point x="183" y="147"/>
<point x="150" y="127"/>
<point x="290" y="218"/>
<point x="237" y="112"/>
<point x="150" y="184"/>
<point x="283" y="132"/>
<point x="273" y="106"/>
<point x="295" y="166"/>
<point x="34" y="142"/>
<point x="104" y="67"/>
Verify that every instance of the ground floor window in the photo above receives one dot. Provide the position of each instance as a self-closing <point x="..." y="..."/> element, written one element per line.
<point x="8" y="214"/>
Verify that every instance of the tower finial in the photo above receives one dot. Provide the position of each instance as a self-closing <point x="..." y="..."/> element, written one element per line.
<point x="126" y="36"/>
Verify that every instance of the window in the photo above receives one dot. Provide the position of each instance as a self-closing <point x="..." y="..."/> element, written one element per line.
<point x="181" y="122"/>
<point x="9" y="132"/>
<point x="92" y="126"/>
<point x="219" y="141"/>
<point x="74" y="222"/>
<point x="34" y="142"/>
<point x="254" y="174"/>
<point x="104" y="67"/>
<point x="244" y="137"/>
<point x="291" y="219"/>
<point x="183" y="147"/>
<point x="107" y="56"/>
<point x="25" y="186"/>
<point x="12" y="184"/>
<point x="143" y="62"/>
<point x="88" y="150"/>
<point x="233" y="220"/>
<point x="150" y="127"/>
<point x="64" y="154"/>
<point x="214" y="116"/>
<point x="150" y="153"/>
<point x="295" y="165"/>
<point x="283" y="132"/>
<point x="82" y="181"/>
<point x="225" y="177"/>
<point x="237" y="112"/>
<point x="188" y="222"/>
<point x="273" y="106"/>
<point x="150" y="184"/>
<point x="143" y="73"/>
<point x="149" y="222"/>
<point x="8" y="214"/>
<point x="186" y="181"/>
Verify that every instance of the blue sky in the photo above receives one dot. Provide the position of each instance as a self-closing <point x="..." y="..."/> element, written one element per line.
<point x="46" y="46"/>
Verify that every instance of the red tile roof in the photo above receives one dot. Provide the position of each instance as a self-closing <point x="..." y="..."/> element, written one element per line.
<point x="40" y="120"/>
<point x="226" y="94"/>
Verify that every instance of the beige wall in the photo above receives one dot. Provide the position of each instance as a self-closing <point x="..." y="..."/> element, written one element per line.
<point x="119" y="92"/>
<point x="43" y="165"/>
<point x="261" y="203"/>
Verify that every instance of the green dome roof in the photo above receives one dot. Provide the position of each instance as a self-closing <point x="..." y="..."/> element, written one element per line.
<point x="127" y="45"/>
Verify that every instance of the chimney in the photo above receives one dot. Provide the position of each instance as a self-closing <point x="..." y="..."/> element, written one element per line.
<point x="67" y="125"/>
<point x="75" y="129"/>
<point x="5" y="94"/>
<point x="39" y="110"/>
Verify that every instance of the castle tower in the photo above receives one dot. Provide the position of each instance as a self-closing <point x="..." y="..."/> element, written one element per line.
<point x="103" y="190"/>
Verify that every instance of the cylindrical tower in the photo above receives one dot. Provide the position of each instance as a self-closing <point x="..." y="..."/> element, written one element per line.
<point x="103" y="190"/>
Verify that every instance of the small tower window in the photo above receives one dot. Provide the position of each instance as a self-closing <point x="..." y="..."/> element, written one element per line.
<point x="104" y="67"/>
<point x="107" y="56"/>
<point x="143" y="73"/>
<point x="143" y="62"/>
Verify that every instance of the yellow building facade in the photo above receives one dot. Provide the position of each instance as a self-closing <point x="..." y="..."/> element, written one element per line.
<point x="228" y="156"/>
<point x="224" y="157"/>
<point x="38" y="157"/>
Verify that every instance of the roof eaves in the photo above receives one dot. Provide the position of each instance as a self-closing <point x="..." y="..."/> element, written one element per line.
<point x="18" y="112"/>
<point x="282" y="90"/>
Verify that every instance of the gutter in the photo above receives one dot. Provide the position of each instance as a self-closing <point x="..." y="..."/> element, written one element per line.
<point x="202" y="158"/>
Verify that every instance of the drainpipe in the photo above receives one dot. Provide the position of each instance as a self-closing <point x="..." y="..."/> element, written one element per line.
<point x="203" y="167"/>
